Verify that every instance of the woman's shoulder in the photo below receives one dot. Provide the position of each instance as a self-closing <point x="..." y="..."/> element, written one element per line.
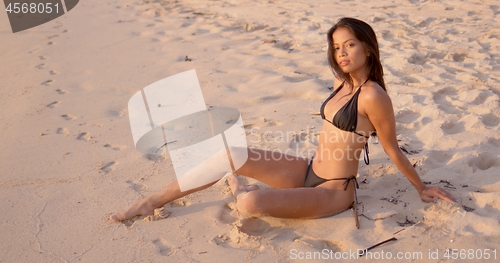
<point x="372" y="90"/>
<point x="373" y="95"/>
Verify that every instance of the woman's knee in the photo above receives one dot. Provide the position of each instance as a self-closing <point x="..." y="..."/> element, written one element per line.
<point x="239" y="156"/>
<point x="249" y="203"/>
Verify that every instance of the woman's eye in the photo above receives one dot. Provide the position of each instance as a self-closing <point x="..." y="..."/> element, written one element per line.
<point x="351" y="45"/>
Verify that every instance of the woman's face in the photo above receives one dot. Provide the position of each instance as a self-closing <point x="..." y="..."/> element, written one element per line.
<point x="349" y="52"/>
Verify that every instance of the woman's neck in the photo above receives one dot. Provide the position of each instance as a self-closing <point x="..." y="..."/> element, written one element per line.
<point x="358" y="79"/>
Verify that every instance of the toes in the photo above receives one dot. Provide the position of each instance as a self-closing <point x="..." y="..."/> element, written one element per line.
<point x="231" y="179"/>
<point x="115" y="218"/>
<point x="252" y="187"/>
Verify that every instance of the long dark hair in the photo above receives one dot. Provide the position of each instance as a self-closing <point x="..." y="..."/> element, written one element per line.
<point x="364" y="33"/>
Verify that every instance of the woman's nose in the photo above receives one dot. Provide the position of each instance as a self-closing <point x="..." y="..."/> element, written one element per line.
<point x="342" y="52"/>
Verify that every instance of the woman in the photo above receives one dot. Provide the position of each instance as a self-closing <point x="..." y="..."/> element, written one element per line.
<point x="358" y="107"/>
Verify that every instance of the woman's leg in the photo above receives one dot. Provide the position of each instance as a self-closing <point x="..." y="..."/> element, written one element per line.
<point x="147" y="205"/>
<point x="303" y="202"/>
<point x="273" y="168"/>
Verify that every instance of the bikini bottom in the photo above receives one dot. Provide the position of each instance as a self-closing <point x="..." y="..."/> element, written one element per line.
<point x="313" y="180"/>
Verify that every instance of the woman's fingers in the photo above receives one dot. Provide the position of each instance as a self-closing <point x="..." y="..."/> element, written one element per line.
<point x="435" y="193"/>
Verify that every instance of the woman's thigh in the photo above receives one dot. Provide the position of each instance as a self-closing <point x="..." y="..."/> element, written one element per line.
<point x="295" y="203"/>
<point x="274" y="168"/>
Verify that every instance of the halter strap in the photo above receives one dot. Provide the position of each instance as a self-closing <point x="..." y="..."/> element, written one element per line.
<point x="346" y="184"/>
<point x="367" y="158"/>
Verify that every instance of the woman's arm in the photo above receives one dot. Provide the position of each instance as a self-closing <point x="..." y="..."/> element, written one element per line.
<point x="378" y="108"/>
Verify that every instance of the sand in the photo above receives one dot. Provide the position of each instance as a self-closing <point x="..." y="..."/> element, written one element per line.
<point x="68" y="160"/>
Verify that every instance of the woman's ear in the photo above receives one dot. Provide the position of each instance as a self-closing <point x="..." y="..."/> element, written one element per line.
<point x="367" y="51"/>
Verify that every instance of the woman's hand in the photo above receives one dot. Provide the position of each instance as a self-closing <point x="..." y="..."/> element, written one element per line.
<point x="432" y="194"/>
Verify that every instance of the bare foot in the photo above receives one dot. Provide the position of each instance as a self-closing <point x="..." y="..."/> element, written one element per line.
<point x="144" y="207"/>
<point x="237" y="188"/>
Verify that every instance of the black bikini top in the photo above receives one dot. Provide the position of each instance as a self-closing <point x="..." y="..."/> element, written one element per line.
<point x="346" y="117"/>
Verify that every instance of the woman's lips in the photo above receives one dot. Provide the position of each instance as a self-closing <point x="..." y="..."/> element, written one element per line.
<point x="344" y="63"/>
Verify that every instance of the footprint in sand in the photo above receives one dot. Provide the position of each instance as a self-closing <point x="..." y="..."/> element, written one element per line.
<point x="494" y="141"/>
<point x="437" y="159"/>
<point x="298" y="140"/>
<point x="53" y="104"/>
<point x="108" y="167"/>
<point x="62" y="131"/>
<point x="227" y="215"/>
<point x="442" y="39"/>
<point x="407" y="116"/>
<point x="490" y="120"/>
<point x="296" y="79"/>
<point x="495" y="9"/>
<point x="250" y="233"/>
<point x="436" y="55"/>
<point x="47" y="82"/>
<point x="314" y="26"/>
<point x="53" y="72"/>
<point x="426" y="22"/>
<point x="320" y="244"/>
<point x="179" y="203"/>
<point x="60" y="91"/>
<point x="154" y="157"/>
<point x="387" y="35"/>
<point x="68" y="117"/>
<point x="40" y="66"/>
<point x="239" y="240"/>
<point x="443" y="97"/>
<point x="417" y="59"/>
<point x="452" y="127"/>
<point x="163" y="248"/>
<point x="83" y="136"/>
<point x="483" y="162"/>
<point x="458" y="57"/>
<point x="128" y="223"/>
<point x="114" y="147"/>
<point x="135" y="186"/>
<point x="257" y="227"/>
<point x="425" y="120"/>
<point x="441" y="94"/>
<point x="116" y="113"/>
<point x="59" y="25"/>
<point x="447" y="76"/>
<point x="480" y="98"/>
<point x="265" y="99"/>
